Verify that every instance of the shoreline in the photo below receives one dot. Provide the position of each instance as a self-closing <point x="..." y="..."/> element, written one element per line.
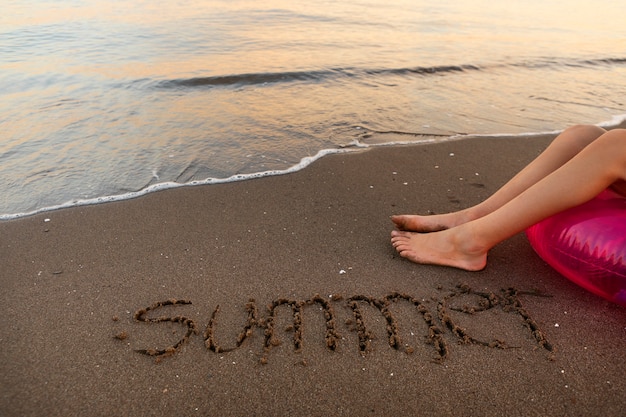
<point x="282" y="295"/>
<point x="618" y="121"/>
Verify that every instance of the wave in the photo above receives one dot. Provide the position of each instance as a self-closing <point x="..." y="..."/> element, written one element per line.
<point x="316" y="76"/>
<point x="312" y="76"/>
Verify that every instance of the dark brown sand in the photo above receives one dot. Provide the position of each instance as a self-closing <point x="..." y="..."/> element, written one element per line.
<point x="283" y="296"/>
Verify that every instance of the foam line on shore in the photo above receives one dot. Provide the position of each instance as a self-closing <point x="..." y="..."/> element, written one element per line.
<point x="353" y="146"/>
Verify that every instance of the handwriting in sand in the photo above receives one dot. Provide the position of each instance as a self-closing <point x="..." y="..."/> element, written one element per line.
<point x="436" y="322"/>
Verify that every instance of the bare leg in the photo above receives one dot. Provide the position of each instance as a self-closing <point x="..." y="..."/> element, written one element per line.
<point x="598" y="166"/>
<point x="565" y="146"/>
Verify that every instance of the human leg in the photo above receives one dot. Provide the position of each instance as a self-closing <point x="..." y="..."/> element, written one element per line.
<point x="596" y="167"/>
<point x="565" y="146"/>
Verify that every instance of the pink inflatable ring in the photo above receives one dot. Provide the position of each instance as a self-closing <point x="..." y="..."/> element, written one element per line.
<point x="587" y="244"/>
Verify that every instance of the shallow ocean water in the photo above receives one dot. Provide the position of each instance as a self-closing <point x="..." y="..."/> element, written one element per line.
<point x="111" y="99"/>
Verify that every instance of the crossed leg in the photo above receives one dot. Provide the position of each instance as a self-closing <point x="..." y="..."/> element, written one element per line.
<point x="578" y="165"/>
<point x="564" y="147"/>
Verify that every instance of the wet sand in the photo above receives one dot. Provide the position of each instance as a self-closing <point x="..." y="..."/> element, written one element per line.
<point x="283" y="296"/>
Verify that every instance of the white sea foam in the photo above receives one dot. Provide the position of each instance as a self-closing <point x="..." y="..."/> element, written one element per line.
<point x="304" y="162"/>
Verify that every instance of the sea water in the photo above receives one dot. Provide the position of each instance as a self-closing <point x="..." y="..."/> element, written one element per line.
<point x="104" y="100"/>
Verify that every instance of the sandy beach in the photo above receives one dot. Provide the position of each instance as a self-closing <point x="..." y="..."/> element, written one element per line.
<point x="283" y="296"/>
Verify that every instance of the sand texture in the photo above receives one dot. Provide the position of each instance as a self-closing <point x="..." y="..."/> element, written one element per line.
<point x="282" y="296"/>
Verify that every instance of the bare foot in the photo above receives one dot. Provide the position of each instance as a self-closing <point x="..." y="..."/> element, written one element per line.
<point x="443" y="248"/>
<point x="433" y="223"/>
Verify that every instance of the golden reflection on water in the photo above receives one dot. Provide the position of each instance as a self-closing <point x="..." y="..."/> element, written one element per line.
<point x="89" y="80"/>
<point x="378" y="32"/>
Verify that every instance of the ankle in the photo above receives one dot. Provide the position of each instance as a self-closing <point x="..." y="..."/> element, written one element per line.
<point x="467" y="240"/>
